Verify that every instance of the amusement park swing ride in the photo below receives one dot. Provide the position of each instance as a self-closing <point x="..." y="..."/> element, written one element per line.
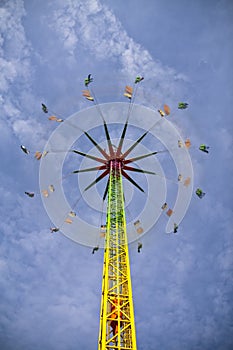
<point x="113" y="159"/>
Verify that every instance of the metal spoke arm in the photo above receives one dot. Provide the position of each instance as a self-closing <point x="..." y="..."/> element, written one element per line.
<point x="119" y="148"/>
<point x="139" y="170"/>
<point x="135" y="159"/>
<point x="131" y="180"/>
<point x="106" y="191"/>
<point x="97" y="146"/>
<point x="111" y="151"/>
<point x="102" y="167"/>
<point x="90" y="156"/>
<point x="106" y="172"/>
<point x="134" y="145"/>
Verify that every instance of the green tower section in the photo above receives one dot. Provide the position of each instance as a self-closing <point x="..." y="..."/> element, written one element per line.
<point x="117" y="326"/>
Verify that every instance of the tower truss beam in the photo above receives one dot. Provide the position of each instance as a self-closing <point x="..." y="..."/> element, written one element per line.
<point x="117" y="326"/>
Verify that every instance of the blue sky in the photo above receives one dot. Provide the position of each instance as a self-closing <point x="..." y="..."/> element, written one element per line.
<point x="182" y="285"/>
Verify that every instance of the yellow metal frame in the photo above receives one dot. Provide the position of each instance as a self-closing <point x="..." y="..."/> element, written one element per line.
<point x="117" y="326"/>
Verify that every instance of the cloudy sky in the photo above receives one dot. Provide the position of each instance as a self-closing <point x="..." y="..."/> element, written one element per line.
<point x="182" y="284"/>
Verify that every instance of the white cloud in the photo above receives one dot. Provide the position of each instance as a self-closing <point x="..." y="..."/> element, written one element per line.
<point x="8" y="73"/>
<point x="224" y="139"/>
<point x="65" y="27"/>
<point x="95" y="27"/>
<point x="14" y="47"/>
<point x="16" y="73"/>
<point x="29" y="131"/>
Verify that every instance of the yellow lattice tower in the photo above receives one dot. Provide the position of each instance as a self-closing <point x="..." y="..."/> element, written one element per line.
<point x="117" y="327"/>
